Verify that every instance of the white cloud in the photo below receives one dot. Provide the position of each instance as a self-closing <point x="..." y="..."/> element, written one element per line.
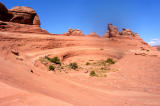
<point x="155" y="39"/>
<point x="154" y="42"/>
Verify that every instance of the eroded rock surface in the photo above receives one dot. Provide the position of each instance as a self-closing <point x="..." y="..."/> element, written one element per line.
<point x="73" y="32"/>
<point x="113" y="32"/>
<point x="24" y="15"/>
<point x="4" y="15"/>
<point x="127" y="32"/>
<point x="20" y="19"/>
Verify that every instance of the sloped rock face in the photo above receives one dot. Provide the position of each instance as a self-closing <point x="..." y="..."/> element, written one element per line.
<point x="3" y="12"/>
<point x="36" y="20"/>
<point x="3" y="9"/>
<point x="20" y="19"/>
<point x="131" y="39"/>
<point x="73" y="32"/>
<point x="106" y="35"/>
<point x="4" y="15"/>
<point x="127" y="32"/>
<point x="157" y="47"/>
<point x="93" y="34"/>
<point x="24" y="28"/>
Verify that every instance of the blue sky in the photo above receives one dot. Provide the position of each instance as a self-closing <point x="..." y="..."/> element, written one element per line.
<point x="57" y="16"/>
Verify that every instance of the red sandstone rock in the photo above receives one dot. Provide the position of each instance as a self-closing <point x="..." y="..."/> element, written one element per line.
<point x="24" y="15"/>
<point x="113" y="30"/>
<point x="20" y="19"/>
<point x="4" y="15"/>
<point x="74" y="32"/>
<point x="93" y="34"/>
<point x="36" y="20"/>
<point x="15" y="27"/>
<point x="127" y="32"/>
<point x="106" y="35"/>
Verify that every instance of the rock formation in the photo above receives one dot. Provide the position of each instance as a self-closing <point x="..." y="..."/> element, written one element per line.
<point x="113" y="32"/>
<point x="127" y="32"/>
<point x="24" y="15"/>
<point x="73" y="32"/>
<point x="4" y="15"/>
<point x="106" y="35"/>
<point x="19" y="19"/>
<point x="93" y="34"/>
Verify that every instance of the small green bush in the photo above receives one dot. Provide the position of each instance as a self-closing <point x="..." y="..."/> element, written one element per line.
<point x="110" y="61"/>
<point x="55" y="60"/>
<point x="88" y="63"/>
<point x="73" y="65"/>
<point x="51" y="67"/>
<point x="92" y="73"/>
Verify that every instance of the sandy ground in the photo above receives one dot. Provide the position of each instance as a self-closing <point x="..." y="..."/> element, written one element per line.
<point x="136" y="83"/>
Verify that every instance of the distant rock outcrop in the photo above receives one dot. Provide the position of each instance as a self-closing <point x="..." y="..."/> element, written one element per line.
<point x="73" y="32"/>
<point x="157" y="47"/>
<point x="113" y="32"/>
<point x="106" y="35"/>
<point x="19" y="19"/>
<point x="93" y="34"/>
<point x="127" y="32"/>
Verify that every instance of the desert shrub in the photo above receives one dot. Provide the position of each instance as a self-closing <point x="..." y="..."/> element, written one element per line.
<point x="46" y="57"/>
<point x="55" y="60"/>
<point x="103" y="63"/>
<point x="110" y="61"/>
<point x="103" y="69"/>
<point x="51" y="67"/>
<point x="105" y="75"/>
<point x="88" y="63"/>
<point x="92" y="73"/>
<point x="73" y="65"/>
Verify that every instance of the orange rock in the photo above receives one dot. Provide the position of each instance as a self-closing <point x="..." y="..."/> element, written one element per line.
<point x="73" y="32"/>
<point x="93" y="34"/>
